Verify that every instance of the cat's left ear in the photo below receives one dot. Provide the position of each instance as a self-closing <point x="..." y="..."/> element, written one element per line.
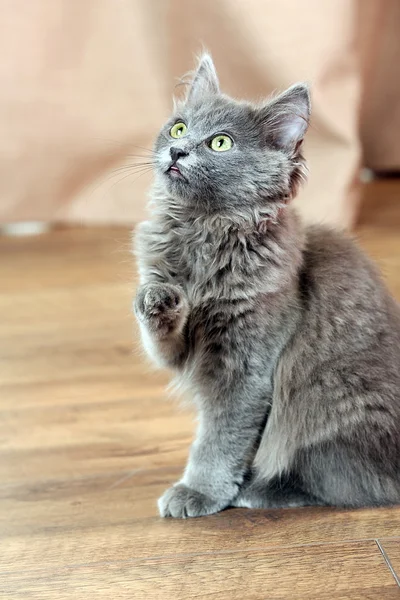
<point x="285" y="119"/>
<point x="205" y="80"/>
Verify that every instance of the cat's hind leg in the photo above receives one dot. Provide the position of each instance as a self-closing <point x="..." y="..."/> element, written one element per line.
<point x="351" y="473"/>
<point x="279" y="492"/>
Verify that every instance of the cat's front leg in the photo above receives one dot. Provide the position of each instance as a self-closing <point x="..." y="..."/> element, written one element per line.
<point x="162" y="310"/>
<point x="203" y="490"/>
<point x="218" y="461"/>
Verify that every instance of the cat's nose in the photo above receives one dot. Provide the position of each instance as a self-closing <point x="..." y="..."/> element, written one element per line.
<point x="177" y="153"/>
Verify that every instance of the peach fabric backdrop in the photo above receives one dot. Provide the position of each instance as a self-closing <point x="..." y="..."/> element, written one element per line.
<point x="82" y="82"/>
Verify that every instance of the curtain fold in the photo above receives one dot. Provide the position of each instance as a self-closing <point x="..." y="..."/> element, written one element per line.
<point x="84" y="87"/>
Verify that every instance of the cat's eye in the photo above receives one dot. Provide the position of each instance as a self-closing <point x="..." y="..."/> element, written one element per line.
<point x="178" y="130"/>
<point x="221" y="143"/>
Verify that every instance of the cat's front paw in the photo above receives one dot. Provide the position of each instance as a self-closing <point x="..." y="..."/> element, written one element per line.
<point x="182" y="502"/>
<point x="161" y="307"/>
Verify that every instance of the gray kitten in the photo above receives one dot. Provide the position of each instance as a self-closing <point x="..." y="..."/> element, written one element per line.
<point x="285" y="335"/>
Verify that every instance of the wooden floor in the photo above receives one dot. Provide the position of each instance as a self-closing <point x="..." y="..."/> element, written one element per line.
<point x="89" y="440"/>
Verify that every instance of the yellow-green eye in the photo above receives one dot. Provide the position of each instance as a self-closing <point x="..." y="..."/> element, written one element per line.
<point x="221" y="143"/>
<point x="178" y="130"/>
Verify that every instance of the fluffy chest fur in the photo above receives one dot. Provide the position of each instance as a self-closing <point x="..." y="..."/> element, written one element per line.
<point x="216" y="260"/>
<point x="241" y="288"/>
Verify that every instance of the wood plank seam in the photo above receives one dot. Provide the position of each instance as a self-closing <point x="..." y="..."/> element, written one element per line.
<point x="388" y="562"/>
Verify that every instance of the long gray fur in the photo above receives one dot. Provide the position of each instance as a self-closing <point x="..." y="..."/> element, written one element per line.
<point x="285" y="336"/>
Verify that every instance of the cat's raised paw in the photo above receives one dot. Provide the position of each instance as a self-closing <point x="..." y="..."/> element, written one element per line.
<point x="182" y="502"/>
<point x="161" y="307"/>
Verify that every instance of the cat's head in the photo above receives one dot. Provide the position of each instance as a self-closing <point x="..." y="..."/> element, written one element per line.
<point x="220" y="155"/>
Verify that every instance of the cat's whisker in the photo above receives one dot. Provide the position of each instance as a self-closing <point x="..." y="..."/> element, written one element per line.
<point x="134" y="156"/>
<point x="103" y="181"/>
<point x="125" y="144"/>
<point x="150" y="150"/>
<point x="130" y="175"/>
<point x="133" y="166"/>
<point x="132" y="171"/>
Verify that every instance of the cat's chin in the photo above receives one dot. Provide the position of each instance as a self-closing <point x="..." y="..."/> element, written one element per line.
<point x="178" y="188"/>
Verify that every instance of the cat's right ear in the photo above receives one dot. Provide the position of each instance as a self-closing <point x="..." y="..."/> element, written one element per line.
<point x="204" y="82"/>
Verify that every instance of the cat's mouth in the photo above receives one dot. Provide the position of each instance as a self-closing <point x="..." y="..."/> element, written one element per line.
<point x="174" y="172"/>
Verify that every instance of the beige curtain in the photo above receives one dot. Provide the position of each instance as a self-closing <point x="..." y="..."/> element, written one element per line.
<point x="85" y="84"/>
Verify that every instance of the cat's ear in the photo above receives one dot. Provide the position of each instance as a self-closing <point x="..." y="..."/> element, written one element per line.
<point x="205" y="80"/>
<point x="285" y="118"/>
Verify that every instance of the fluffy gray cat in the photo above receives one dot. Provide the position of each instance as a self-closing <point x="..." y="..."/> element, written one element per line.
<point x="285" y="335"/>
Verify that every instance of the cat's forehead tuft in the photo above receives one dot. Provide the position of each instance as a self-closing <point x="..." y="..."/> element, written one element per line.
<point x="218" y="112"/>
